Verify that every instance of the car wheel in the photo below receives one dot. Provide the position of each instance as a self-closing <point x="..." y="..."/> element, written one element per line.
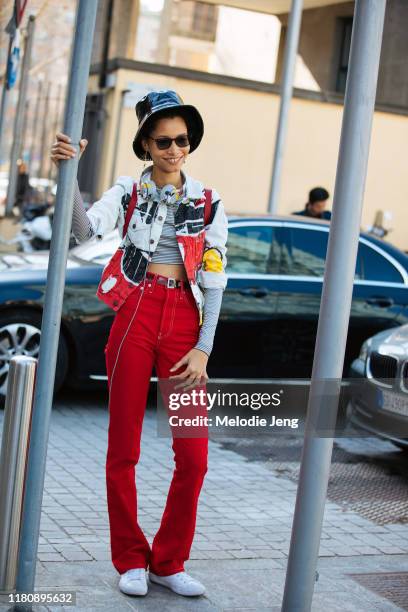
<point x="20" y="333"/>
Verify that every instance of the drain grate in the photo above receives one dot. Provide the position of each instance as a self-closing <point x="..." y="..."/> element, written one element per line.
<point x="362" y="488"/>
<point x="366" y="489"/>
<point x="390" y="585"/>
<point x="375" y="487"/>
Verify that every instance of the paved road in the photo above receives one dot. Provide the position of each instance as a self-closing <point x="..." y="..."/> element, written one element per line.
<point x="243" y="527"/>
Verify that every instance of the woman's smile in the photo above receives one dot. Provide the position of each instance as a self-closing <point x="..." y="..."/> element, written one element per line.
<point x="174" y="160"/>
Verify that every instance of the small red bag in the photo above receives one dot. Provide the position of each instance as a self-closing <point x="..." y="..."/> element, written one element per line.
<point x="113" y="288"/>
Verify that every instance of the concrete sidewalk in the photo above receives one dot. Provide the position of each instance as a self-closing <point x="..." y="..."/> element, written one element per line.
<point x="242" y="537"/>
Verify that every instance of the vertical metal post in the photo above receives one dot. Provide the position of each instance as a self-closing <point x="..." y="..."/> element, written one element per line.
<point x="4" y="100"/>
<point x="35" y="127"/>
<point x="45" y="132"/>
<point x="289" y="63"/>
<point x="13" y="459"/>
<point x="336" y="298"/>
<point x="24" y="131"/>
<point x="117" y="136"/>
<point x="51" y="321"/>
<point x="19" y="118"/>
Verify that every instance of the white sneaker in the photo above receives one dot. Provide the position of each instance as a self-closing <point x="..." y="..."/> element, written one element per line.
<point x="133" y="582"/>
<point x="181" y="583"/>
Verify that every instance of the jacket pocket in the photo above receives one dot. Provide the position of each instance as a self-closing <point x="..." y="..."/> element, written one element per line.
<point x="138" y="234"/>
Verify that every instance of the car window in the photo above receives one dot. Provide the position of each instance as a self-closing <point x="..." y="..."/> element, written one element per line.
<point x="304" y="252"/>
<point x="253" y="249"/>
<point x="374" y="266"/>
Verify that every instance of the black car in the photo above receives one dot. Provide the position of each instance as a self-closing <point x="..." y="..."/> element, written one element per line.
<point x="270" y="308"/>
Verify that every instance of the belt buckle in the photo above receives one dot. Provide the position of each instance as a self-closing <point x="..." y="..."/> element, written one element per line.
<point x="171" y="283"/>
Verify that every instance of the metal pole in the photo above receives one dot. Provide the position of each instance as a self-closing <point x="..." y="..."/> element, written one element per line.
<point x="289" y="63"/>
<point x="19" y="118"/>
<point x="336" y="299"/>
<point x="24" y="131"/>
<point x="4" y="100"/>
<point x="117" y="137"/>
<point x="13" y="458"/>
<point x="35" y="127"/>
<point x="44" y="140"/>
<point x="51" y="321"/>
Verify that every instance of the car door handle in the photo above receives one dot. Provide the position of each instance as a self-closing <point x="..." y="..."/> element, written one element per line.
<point x="380" y="300"/>
<point x="254" y="291"/>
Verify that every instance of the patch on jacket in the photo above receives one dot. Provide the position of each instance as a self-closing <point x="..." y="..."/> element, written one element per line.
<point x="134" y="263"/>
<point x="212" y="260"/>
<point x="189" y="218"/>
<point x="142" y="208"/>
<point x="108" y="284"/>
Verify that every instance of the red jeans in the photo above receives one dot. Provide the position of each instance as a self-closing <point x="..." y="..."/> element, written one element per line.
<point x="164" y="328"/>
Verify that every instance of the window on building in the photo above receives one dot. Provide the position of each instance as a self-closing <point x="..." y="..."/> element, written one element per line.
<point x="205" y="19"/>
<point x="208" y="38"/>
<point x="346" y="25"/>
<point x="195" y="20"/>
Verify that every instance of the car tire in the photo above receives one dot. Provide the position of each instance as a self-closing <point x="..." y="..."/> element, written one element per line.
<point x="20" y="334"/>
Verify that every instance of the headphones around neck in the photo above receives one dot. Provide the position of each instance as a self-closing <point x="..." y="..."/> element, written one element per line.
<point x="167" y="194"/>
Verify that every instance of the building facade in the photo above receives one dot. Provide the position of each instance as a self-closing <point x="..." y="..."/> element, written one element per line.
<point x="241" y="113"/>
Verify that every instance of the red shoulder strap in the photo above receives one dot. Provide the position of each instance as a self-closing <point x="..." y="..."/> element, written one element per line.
<point x="131" y="208"/>
<point x="207" y="206"/>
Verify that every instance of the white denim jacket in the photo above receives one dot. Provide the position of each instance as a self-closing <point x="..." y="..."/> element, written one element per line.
<point x="203" y="248"/>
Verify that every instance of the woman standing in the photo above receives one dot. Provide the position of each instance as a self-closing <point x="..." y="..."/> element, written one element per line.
<point x="165" y="283"/>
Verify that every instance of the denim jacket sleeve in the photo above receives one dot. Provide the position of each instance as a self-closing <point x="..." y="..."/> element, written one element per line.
<point x="212" y="273"/>
<point x="105" y="214"/>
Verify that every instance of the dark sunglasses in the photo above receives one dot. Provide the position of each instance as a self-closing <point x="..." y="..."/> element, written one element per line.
<point x="165" y="142"/>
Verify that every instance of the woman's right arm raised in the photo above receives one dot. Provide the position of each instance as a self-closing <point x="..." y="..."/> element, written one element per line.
<point x="102" y="217"/>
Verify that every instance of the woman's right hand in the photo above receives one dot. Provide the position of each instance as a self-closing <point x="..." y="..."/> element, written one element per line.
<point x="62" y="149"/>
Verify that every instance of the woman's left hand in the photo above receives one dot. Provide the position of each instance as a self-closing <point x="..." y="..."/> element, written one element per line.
<point x="195" y="372"/>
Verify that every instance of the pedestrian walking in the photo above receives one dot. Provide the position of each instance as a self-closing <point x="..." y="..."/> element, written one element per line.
<point x="316" y="203"/>
<point x="165" y="283"/>
<point x="23" y="189"/>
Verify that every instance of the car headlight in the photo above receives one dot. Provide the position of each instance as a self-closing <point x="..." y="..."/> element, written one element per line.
<point x="364" y="350"/>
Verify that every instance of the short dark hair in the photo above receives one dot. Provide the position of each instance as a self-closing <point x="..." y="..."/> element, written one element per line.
<point x="317" y="194"/>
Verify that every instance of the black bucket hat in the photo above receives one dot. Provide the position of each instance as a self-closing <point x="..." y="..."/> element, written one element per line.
<point x="156" y="103"/>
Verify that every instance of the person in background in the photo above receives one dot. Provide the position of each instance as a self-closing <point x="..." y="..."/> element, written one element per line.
<point x="316" y="204"/>
<point x="23" y="189"/>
